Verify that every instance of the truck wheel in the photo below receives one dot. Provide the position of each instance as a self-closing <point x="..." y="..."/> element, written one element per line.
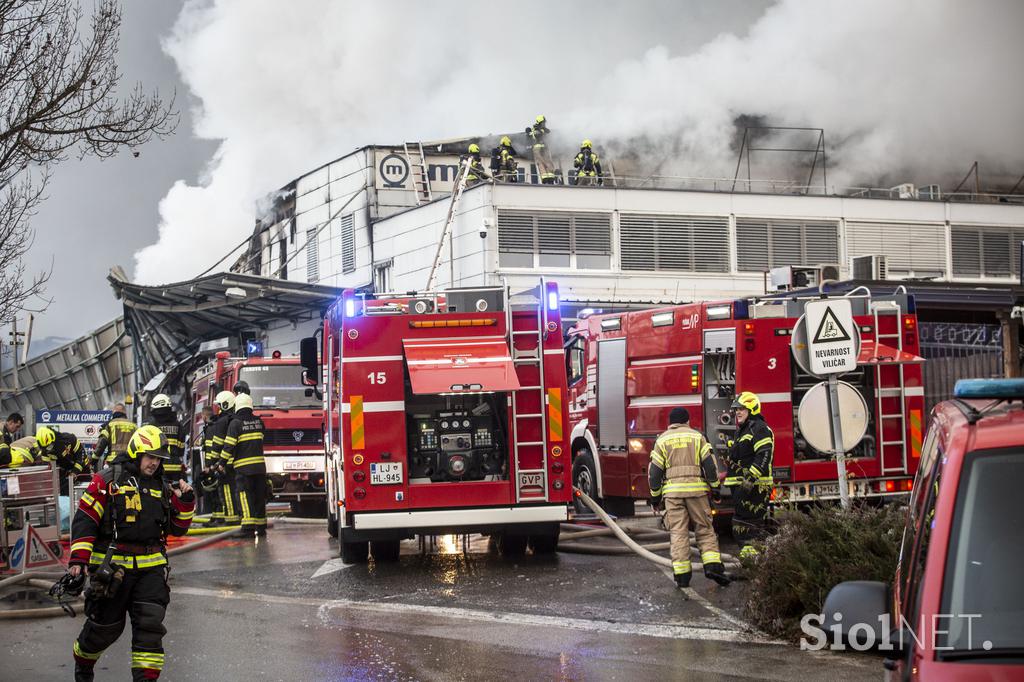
<point x="332" y="526"/>
<point x="354" y="552"/>
<point x="385" y="550"/>
<point x="512" y="546"/>
<point x="545" y="543"/>
<point x="584" y="477"/>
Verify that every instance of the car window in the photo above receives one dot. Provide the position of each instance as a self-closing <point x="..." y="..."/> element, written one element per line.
<point x="575" y="360"/>
<point x="918" y="530"/>
<point x="983" y="574"/>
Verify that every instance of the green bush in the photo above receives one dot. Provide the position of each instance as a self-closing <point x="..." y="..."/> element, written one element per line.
<point x="814" y="550"/>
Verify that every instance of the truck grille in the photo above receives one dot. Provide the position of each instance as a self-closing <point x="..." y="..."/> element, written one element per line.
<point x="293" y="437"/>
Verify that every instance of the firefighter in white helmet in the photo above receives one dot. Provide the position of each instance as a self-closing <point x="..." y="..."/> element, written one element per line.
<point x="162" y="416"/>
<point x="243" y="454"/>
<point x="228" y="497"/>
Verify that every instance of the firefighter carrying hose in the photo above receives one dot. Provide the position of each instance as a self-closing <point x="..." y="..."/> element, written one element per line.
<point x="228" y="492"/>
<point x="681" y="474"/>
<point x="538" y="132"/>
<point x="588" y="166"/>
<point x="114" y="437"/>
<point x="750" y="472"/>
<point x="243" y="454"/>
<point x="504" y="166"/>
<point x="119" y="532"/>
<point x="163" y="417"/>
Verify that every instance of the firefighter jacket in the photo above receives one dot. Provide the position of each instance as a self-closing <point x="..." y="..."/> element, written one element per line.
<point x="243" y="444"/>
<point x="750" y="455"/>
<point x="165" y="420"/>
<point x="503" y="162"/>
<point x="22" y="452"/>
<point x="538" y="132"/>
<point x="682" y="464"/>
<point x="475" y="173"/>
<point x="216" y="432"/>
<point x="587" y="164"/>
<point x="67" y="453"/>
<point x="133" y="512"/>
<point x="114" y="438"/>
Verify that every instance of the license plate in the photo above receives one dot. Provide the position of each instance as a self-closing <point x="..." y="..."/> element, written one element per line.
<point x="298" y="465"/>
<point x="531" y="481"/>
<point x="822" y="489"/>
<point x="385" y="473"/>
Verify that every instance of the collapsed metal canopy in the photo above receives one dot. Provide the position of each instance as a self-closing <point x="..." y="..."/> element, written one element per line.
<point x="168" y="322"/>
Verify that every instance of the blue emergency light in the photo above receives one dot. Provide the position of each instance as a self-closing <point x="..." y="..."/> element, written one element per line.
<point x="254" y="349"/>
<point x="990" y="389"/>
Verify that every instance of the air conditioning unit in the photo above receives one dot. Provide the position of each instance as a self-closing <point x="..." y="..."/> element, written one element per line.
<point x="930" y="192"/>
<point x="868" y="267"/>
<point x="799" y="276"/>
<point x="904" y="191"/>
<point x="829" y="271"/>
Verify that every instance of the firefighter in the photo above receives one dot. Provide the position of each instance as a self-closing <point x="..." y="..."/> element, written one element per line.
<point x="114" y="437"/>
<point x="504" y="166"/>
<point x="475" y="174"/>
<point x="750" y="472"/>
<point x="588" y="166"/>
<point x="11" y="427"/>
<point x="64" y="450"/>
<point x="681" y="474"/>
<point x="228" y="492"/>
<point x="243" y="453"/>
<point x="118" y="537"/>
<point x="163" y="417"/>
<point x="22" y="452"/>
<point x="538" y="132"/>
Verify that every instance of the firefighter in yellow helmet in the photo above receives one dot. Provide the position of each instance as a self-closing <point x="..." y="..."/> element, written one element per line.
<point x="475" y="174"/>
<point x="118" y="536"/>
<point x="243" y="454"/>
<point x="504" y="166"/>
<point x="64" y="450"/>
<point x="682" y="472"/>
<point x="750" y="472"/>
<point x="538" y="133"/>
<point x="114" y="437"/>
<point x="228" y="509"/>
<point x="588" y="166"/>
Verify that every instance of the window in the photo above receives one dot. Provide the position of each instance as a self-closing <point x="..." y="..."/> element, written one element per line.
<point x="283" y="252"/>
<point x="382" y="277"/>
<point x="909" y="249"/>
<point x="348" y="244"/>
<point x="917" y="532"/>
<point x="674" y="243"/>
<point x="575" y="360"/>
<point x="986" y="251"/>
<point x="762" y="244"/>
<point x="553" y="239"/>
<point x="312" y="257"/>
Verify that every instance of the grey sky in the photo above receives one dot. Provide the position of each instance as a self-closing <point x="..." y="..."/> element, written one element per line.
<point x="100" y="212"/>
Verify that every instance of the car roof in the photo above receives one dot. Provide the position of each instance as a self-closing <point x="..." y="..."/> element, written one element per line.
<point x="998" y="427"/>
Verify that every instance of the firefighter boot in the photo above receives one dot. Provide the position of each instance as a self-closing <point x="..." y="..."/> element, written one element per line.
<point x="683" y="580"/>
<point x="716" y="571"/>
<point x="84" y="673"/>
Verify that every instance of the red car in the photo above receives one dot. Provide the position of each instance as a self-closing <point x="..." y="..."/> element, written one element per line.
<point x="956" y="605"/>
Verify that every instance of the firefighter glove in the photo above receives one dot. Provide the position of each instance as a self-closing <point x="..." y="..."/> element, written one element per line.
<point x="657" y="503"/>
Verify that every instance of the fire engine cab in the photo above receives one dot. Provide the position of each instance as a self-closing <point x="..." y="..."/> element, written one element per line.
<point x="443" y="415"/>
<point x="627" y="371"/>
<point x="292" y="418"/>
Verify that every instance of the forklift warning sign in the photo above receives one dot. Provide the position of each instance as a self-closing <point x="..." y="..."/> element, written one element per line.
<point x="833" y="338"/>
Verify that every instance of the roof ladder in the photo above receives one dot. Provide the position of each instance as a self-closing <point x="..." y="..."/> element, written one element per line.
<point x="446" y="234"/>
<point x="880" y="310"/>
<point x="418" y="171"/>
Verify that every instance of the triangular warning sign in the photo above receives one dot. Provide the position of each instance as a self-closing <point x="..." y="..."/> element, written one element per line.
<point x="830" y="330"/>
<point x="37" y="552"/>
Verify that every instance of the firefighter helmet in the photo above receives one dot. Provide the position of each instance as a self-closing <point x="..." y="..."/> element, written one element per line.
<point x="243" y="401"/>
<point x="748" y="401"/>
<point x="474" y="148"/>
<point x="506" y="141"/>
<point x="45" y="437"/>
<point x="241" y="387"/>
<point x="160" y="401"/>
<point x="225" y="400"/>
<point x="541" y="119"/>
<point x="148" y="440"/>
<point x="587" y="144"/>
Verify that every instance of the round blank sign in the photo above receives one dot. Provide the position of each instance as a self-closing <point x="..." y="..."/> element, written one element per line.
<point x="813" y="417"/>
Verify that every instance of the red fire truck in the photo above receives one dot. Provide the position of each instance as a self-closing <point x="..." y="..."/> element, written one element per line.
<point x="444" y="415"/>
<point x="627" y="371"/>
<point x="293" y="440"/>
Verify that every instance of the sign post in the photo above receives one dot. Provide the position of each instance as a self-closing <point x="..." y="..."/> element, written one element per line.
<point x="833" y="343"/>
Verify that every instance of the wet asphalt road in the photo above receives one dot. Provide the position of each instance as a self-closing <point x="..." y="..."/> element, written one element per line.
<point x="248" y="610"/>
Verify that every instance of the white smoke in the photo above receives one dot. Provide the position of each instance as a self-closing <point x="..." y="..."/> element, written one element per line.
<point x="911" y="91"/>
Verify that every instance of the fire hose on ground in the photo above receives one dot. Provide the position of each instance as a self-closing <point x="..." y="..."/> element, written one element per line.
<point x="570" y="543"/>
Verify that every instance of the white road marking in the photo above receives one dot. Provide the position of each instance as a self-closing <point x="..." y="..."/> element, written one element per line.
<point x="696" y="596"/>
<point x="324" y="609"/>
<point x="330" y="566"/>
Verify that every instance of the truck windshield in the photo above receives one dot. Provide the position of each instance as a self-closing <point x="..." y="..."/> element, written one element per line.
<point x="982" y="592"/>
<point x="277" y="386"/>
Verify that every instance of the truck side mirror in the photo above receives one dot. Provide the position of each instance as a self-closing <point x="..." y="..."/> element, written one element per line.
<point x="308" y="358"/>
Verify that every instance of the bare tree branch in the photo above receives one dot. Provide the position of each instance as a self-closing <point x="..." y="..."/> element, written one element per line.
<point x="58" y="95"/>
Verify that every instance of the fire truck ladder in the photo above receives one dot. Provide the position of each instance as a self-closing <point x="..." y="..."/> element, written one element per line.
<point x="446" y="234"/>
<point x="418" y="171"/>
<point x="530" y="356"/>
<point x="879" y="310"/>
